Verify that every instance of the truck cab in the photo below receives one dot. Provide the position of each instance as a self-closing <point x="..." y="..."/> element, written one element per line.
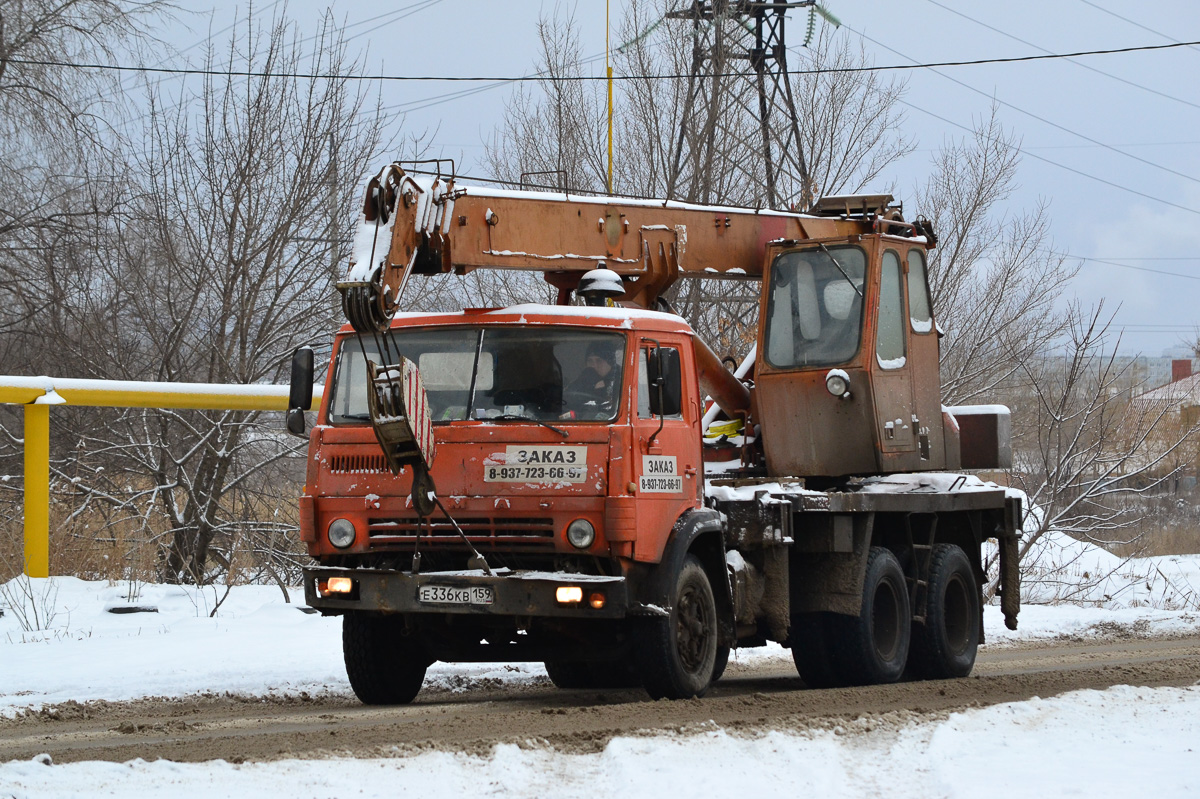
<point x="545" y="417"/>
<point x="568" y="456"/>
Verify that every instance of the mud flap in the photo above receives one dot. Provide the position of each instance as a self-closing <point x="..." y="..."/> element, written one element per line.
<point x="1010" y="563"/>
<point x="655" y="592"/>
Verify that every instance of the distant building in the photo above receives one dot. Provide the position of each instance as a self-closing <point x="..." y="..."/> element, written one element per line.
<point x="1182" y="393"/>
<point x="1179" y="404"/>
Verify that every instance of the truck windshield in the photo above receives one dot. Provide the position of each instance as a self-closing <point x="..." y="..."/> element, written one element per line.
<point x="546" y="374"/>
<point x="815" y="307"/>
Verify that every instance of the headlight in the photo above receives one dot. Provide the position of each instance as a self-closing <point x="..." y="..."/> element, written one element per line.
<point x="837" y="382"/>
<point x="341" y="533"/>
<point x="581" y="534"/>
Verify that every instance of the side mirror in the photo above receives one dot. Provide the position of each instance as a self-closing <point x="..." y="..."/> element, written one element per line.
<point x="301" y="389"/>
<point x="665" y="376"/>
<point x="295" y="421"/>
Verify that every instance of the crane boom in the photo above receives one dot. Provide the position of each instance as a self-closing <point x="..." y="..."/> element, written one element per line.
<point x="427" y="225"/>
<point x="417" y="224"/>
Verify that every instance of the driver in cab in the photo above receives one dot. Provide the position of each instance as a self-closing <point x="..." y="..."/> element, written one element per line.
<point x="596" y="385"/>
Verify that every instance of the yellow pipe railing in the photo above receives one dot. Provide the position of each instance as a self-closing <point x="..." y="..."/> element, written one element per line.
<point x="37" y="394"/>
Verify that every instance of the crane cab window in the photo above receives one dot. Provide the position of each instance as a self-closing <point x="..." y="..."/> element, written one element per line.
<point x="815" y="307"/>
<point x="919" y="313"/>
<point x="890" y="343"/>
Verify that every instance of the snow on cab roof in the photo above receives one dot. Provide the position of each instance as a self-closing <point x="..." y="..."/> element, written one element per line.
<point x="534" y="313"/>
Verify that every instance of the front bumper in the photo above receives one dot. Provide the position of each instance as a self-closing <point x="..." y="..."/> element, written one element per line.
<point x="515" y="593"/>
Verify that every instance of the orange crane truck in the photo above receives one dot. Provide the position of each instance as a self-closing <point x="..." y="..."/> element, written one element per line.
<point x="587" y="485"/>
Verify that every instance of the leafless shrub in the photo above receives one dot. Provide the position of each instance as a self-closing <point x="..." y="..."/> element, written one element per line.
<point x="30" y="601"/>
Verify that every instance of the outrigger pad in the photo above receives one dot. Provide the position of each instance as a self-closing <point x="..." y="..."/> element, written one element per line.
<point x="400" y="416"/>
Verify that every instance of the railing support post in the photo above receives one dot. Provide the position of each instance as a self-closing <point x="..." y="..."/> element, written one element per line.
<point x="37" y="490"/>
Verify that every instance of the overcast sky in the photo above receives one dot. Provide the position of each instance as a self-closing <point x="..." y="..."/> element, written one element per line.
<point x="1147" y="105"/>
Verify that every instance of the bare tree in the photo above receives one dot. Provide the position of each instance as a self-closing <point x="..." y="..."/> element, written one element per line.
<point x="46" y="110"/>
<point x="849" y="123"/>
<point x="995" y="279"/>
<point x="1087" y="455"/>
<point x="218" y="266"/>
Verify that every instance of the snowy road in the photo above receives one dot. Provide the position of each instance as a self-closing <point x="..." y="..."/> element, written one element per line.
<point x="758" y="695"/>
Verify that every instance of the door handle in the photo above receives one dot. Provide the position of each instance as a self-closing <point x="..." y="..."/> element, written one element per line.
<point x="689" y="471"/>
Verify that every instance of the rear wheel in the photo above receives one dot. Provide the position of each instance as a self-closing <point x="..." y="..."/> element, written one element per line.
<point x="385" y="666"/>
<point x="676" y="654"/>
<point x="810" y="650"/>
<point x="873" y="647"/>
<point x="945" y="645"/>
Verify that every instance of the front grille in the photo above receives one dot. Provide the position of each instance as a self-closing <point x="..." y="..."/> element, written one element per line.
<point x="357" y="464"/>
<point x="495" y="532"/>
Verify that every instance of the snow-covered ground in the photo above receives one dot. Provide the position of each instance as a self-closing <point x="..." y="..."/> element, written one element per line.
<point x="257" y="645"/>
<point x="1123" y="742"/>
<point x="1114" y="742"/>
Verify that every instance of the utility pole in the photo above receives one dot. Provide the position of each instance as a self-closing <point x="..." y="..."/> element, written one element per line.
<point x="765" y="49"/>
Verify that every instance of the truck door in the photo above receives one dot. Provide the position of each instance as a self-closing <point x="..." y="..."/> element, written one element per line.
<point x="667" y="447"/>
<point x="893" y="378"/>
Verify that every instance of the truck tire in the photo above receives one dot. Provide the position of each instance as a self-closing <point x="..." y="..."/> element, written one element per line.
<point x="572" y="674"/>
<point x="810" y="650"/>
<point x="383" y="665"/>
<point x="722" y="660"/>
<point x="676" y="655"/>
<point x="569" y="674"/>
<point x="872" y="647"/>
<point x="944" y="646"/>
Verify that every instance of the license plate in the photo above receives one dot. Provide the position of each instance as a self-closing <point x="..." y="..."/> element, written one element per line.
<point x="455" y="595"/>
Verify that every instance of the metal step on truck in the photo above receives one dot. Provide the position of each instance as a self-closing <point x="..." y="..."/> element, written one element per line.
<point x="585" y="484"/>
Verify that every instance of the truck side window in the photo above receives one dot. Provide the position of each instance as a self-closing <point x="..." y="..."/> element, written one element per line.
<point x="644" y="388"/>
<point x="918" y="293"/>
<point x="890" y="345"/>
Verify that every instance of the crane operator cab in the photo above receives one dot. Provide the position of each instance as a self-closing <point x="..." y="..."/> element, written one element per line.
<point x="846" y="324"/>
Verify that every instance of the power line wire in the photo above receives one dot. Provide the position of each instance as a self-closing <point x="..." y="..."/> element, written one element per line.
<point x="1035" y="156"/>
<point x="1138" y="268"/>
<point x="1130" y="21"/>
<point x="1032" y="115"/>
<point x="1152" y="257"/>
<point x="1044" y="50"/>
<point x="574" y="78"/>
<point x="1055" y="163"/>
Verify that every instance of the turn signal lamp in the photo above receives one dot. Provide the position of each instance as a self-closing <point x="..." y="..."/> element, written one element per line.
<point x="568" y="594"/>
<point x="596" y="600"/>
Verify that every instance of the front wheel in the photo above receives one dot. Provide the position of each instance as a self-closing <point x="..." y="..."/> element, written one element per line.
<point x="385" y="666"/>
<point x="872" y="647"/>
<point x="945" y="646"/>
<point x="721" y="661"/>
<point x="571" y="674"/>
<point x="677" y="654"/>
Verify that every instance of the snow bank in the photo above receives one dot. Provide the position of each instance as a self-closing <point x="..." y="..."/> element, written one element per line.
<point x="256" y="645"/>
<point x="1060" y="569"/>
<point x="1119" y="742"/>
